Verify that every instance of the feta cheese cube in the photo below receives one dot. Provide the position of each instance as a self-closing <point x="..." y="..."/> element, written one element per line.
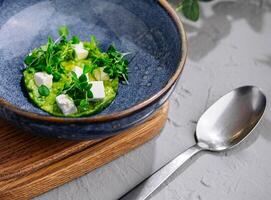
<point x="80" y="52"/>
<point x="78" y="71"/>
<point x="79" y="45"/>
<point x="97" y="90"/>
<point x="42" y="78"/>
<point x="66" y="104"/>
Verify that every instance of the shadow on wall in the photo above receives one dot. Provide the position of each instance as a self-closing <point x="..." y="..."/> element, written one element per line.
<point x="204" y="38"/>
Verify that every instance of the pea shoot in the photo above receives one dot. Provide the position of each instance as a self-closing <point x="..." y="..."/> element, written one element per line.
<point x="49" y="57"/>
<point x="79" y="89"/>
<point x="117" y="66"/>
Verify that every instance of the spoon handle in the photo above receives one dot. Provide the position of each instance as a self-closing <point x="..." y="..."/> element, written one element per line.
<point x="146" y="188"/>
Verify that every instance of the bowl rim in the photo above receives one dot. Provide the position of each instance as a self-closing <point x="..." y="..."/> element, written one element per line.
<point x="117" y="115"/>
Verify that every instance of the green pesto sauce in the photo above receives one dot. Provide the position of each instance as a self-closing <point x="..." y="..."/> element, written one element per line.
<point x="49" y="104"/>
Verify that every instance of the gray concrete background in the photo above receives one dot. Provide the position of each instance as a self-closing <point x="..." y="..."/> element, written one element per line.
<point x="229" y="47"/>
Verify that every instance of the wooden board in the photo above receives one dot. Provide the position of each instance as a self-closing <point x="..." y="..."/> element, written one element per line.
<point x="31" y="165"/>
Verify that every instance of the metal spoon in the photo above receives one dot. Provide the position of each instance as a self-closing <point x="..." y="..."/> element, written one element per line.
<point x="224" y="125"/>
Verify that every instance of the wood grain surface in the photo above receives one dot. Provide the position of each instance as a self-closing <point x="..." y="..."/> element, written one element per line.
<point x="31" y="165"/>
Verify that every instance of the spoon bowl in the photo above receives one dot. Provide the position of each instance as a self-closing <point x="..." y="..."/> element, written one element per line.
<point x="230" y="120"/>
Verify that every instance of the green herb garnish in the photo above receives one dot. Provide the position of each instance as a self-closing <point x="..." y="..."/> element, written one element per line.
<point x="79" y="90"/>
<point x="87" y="69"/>
<point x="117" y="65"/>
<point x="43" y="91"/>
<point x="75" y="40"/>
<point x="63" y="31"/>
<point x="114" y="63"/>
<point x="49" y="57"/>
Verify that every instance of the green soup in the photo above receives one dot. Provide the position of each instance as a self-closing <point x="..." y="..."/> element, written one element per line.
<point x="49" y="104"/>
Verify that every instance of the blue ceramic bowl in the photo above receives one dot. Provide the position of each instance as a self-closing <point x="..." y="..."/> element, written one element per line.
<point x="149" y="29"/>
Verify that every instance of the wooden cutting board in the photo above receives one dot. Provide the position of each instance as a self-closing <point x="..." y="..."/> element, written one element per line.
<point x="31" y="165"/>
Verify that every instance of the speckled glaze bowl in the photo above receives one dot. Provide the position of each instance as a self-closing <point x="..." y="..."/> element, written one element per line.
<point x="149" y="29"/>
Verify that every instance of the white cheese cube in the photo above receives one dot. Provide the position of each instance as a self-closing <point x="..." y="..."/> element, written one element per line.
<point x="97" y="90"/>
<point x="78" y="71"/>
<point x="42" y="78"/>
<point x="79" y="45"/>
<point x="80" y="52"/>
<point x="66" y="104"/>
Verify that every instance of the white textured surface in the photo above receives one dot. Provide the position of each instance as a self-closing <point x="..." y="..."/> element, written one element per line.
<point x="230" y="46"/>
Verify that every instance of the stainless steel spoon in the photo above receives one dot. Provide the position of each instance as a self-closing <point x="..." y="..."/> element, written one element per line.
<point x="224" y="125"/>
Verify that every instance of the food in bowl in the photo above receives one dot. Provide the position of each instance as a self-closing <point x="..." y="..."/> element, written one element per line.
<point x="73" y="78"/>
